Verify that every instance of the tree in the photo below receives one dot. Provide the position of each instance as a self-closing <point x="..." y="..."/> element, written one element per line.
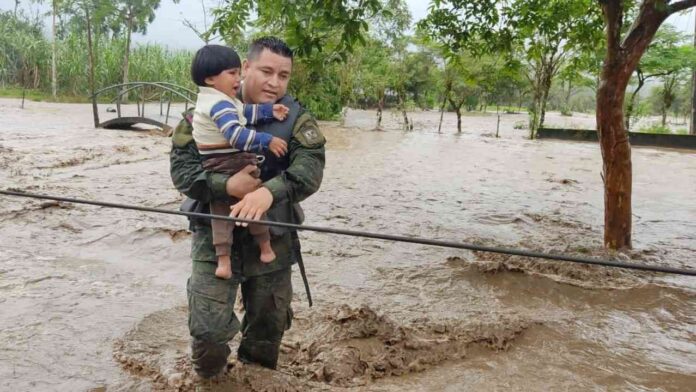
<point x="373" y="76"/>
<point x="692" y="123"/>
<point x="667" y="57"/>
<point x="463" y="90"/>
<point x="54" y="85"/>
<point x="89" y="11"/>
<point x="622" y="57"/>
<point x="308" y="26"/>
<point x="545" y="33"/>
<point x="322" y="34"/>
<point x="135" y="16"/>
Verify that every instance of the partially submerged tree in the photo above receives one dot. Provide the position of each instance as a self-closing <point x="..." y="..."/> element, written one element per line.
<point x="668" y="57"/>
<point x="624" y="52"/>
<point x="544" y="32"/>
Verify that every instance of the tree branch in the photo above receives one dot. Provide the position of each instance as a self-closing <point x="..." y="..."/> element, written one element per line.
<point x="612" y="11"/>
<point x="680" y="6"/>
<point x="658" y="74"/>
<point x="648" y="20"/>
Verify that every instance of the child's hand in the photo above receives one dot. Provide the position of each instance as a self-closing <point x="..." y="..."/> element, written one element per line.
<point x="278" y="146"/>
<point x="280" y="112"/>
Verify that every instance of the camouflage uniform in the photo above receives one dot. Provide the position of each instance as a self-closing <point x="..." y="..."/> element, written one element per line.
<point x="266" y="288"/>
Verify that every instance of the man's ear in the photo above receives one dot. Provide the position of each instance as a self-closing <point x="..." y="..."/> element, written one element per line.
<point x="245" y="67"/>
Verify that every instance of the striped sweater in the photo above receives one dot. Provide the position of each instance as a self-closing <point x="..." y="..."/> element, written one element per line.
<point x="220" y="127"/>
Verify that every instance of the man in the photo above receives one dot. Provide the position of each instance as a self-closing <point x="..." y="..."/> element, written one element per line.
<point x="284" y="182"/>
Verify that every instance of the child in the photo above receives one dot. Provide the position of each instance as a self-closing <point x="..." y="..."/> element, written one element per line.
<point x="224" y="142"/>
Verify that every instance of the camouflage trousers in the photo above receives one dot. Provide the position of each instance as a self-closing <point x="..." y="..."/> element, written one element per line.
<point x="213" y="323"/>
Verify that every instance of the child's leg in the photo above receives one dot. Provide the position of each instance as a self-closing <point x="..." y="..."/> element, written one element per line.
<point x="222" y="239"/>
<point x="263" y="238"/>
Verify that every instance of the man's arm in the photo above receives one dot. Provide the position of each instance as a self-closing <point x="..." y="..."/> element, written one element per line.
<point x="190" y="179"/>
<point x="187" y="172"/>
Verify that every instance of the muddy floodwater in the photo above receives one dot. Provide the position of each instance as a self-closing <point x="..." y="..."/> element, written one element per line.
<point x="94" y="298"/>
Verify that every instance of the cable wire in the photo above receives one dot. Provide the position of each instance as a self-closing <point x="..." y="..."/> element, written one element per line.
<point x="364" y="234"/>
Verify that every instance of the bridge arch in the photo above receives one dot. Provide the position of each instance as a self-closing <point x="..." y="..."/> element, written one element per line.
<point x="165" y="90"/>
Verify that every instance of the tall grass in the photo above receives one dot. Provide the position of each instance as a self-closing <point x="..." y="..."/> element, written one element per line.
<point x="25" y="60"/>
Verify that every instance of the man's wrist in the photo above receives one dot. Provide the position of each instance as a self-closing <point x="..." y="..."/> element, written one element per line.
<point x="276" y="188"/>
<point x="218" y="185"/>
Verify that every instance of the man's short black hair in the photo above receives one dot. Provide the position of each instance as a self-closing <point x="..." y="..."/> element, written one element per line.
<point x="211" y="60"/>
<point x="274" y="44"/>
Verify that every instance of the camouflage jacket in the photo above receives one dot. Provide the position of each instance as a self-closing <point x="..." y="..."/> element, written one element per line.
<point x="300" y="180"/>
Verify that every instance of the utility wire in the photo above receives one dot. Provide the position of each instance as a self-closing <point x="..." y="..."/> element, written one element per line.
<point x="364" y="234"/>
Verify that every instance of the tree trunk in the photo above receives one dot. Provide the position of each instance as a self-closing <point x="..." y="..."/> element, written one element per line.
<point x="448" y="87"/>
<point x="667" y="97"/>
<point x="692" y="124"/>
<point x="621" y="60"/>
<point x="546" y="87"/>
<point x="458" y="110"/>
<point x="442" y="114"/>
<point x="459" y="118"/>
<point x="534" y="120"/>
<point x="54" y="83"/>
<point x="632" y="101"/>
<point x="91" y="66"/>
<point x="127" y="54"/>
<point x="616" y="153"/>
<point x="568" y="94"/>
<point x="402" y="104"/>
<point x="380" y="108"/>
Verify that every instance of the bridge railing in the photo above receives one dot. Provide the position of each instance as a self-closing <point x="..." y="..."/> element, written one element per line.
<point x="164" y="91"/>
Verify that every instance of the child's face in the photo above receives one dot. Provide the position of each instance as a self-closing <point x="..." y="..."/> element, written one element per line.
<point x="226" y="81"/>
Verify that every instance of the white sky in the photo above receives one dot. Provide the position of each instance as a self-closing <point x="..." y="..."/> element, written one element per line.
<point x="168" y="28"/>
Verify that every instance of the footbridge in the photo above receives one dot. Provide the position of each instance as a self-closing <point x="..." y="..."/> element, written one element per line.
<point x="163" y="93"/>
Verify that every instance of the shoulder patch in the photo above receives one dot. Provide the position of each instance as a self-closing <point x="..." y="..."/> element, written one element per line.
<point x="183" y="133"/>
<point x="307" y="131"/>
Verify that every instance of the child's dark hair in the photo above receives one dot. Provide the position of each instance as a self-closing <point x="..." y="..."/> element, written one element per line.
<point x="210" y="60"/>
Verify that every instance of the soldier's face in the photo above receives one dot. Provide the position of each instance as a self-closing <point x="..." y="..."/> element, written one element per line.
<point x="266" y="77"/>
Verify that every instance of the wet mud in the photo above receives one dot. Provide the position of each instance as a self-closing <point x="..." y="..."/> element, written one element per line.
<point x="344" y="347"/>
<point x="94" y="299"/>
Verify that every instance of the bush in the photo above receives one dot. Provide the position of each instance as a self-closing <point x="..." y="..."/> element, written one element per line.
<point x="520" y="125"/>
<point x="655" y="128"/>
<point x="566" y="112"/>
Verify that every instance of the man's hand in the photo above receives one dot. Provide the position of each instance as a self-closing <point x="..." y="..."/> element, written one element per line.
<point x="242" y="182"/>
<point x="252" y="206"/>
<point x="280" y="112"/>
<point x="278" y="147"/>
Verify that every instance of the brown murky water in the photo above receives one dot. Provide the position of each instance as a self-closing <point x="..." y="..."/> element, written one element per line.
<point x="94" y="298"/>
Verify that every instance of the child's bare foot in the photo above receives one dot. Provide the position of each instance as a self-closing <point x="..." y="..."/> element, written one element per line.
<point x="224" y="268"/>
<point x="267" y="253"/>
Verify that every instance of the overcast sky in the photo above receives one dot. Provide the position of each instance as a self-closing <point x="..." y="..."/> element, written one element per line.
<point x="169" y="29"/>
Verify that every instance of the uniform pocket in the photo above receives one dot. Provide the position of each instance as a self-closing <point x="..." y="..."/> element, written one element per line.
<point x="211" y="308"/>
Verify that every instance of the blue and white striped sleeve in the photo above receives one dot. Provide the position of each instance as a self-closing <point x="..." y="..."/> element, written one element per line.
<point x="258" y="114"/>
<point x="226" y="117"/>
